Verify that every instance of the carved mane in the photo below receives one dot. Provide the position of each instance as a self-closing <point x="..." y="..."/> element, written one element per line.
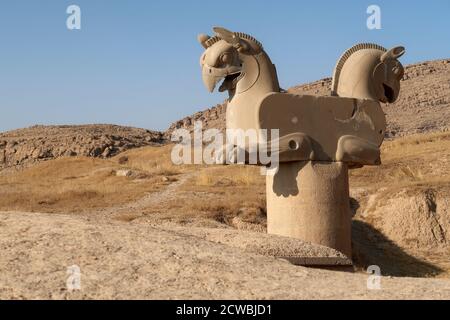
<point x="241" y="35"/>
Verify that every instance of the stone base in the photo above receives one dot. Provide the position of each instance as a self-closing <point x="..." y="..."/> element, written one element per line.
<point x="296" y="251"/>
<point x="329" y="262"/>
<point x="309" y="200"/>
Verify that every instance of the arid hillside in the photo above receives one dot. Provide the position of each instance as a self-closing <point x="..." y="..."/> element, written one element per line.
<point x="30" y="145"/>
<point x="423" y="105"/>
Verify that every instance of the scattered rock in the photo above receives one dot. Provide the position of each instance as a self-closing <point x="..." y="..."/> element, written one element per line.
<point x="123" y="160"/>
<point x="107" y="152"/>
<point x="124" y="173"/>
<point x="96" y="152"/>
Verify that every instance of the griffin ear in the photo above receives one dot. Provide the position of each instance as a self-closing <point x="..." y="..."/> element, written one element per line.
<point x="227" y="35"/>
<point x="202" y="38"/>
<point x="393" y="53"/>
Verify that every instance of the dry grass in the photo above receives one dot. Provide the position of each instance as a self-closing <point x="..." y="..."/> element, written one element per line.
<point x="415" y="140"/>
<point x="152" y="160"/>
<point x="234" y="191"/>
<point x="217" y="192"/>
<point x="69" y="185"/>
<point x="206" y="209"/>
<point x="84" y="184"/>
<point x="407" y="162"/>
<point x="237" y="175"/>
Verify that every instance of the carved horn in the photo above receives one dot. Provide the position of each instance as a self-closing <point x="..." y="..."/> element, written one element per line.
<point x="202" y="38"/>
<point x="393" y="53"/>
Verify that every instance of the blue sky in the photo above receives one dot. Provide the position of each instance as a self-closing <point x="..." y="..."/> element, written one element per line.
<point x="136" y="62"/>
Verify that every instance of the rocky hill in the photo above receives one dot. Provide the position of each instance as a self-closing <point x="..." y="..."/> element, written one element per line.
<point x="26" y="146"/>
<point x="211" y="118"/>
<point x="423" y="105"/>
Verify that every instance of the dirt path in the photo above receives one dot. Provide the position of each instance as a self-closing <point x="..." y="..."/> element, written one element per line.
<point x="158" y="197"/>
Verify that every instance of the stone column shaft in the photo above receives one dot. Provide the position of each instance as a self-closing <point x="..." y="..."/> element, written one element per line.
<point x="309" y="200"/>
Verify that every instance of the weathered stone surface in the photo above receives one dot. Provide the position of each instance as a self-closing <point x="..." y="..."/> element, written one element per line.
<point x="138" y="261"/>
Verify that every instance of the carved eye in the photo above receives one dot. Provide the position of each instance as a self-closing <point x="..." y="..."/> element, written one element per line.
<point x="226" y="58"/>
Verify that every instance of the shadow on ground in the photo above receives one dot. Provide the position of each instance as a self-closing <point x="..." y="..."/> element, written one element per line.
<point x="371" y="247"/>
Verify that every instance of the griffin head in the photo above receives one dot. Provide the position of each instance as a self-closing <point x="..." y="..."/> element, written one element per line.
<point x="387" y="75"/>
<point x="369" y="71"/>
<point x="224" y="59"/>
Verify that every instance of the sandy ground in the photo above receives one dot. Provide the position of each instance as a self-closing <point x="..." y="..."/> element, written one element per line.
<point x="140" y="261"/>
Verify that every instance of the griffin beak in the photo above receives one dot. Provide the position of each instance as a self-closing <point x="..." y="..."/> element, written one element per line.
<point x="210" y="81"/>
<point x="212" y="76"/>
